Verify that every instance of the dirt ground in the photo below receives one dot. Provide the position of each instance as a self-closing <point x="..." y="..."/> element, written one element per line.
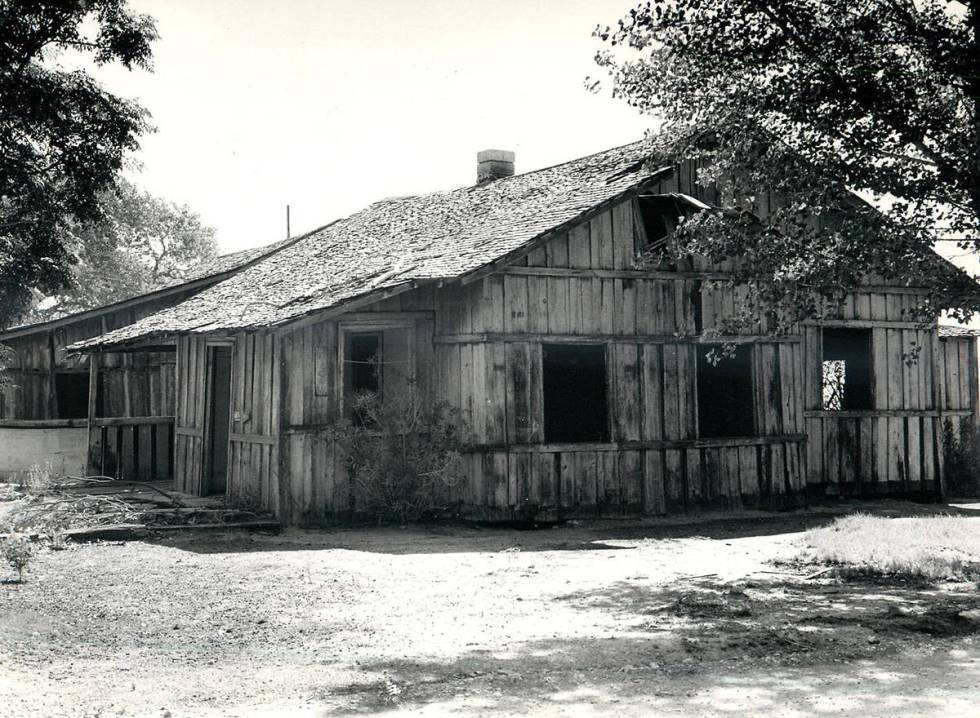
<point x="599" y="619"/>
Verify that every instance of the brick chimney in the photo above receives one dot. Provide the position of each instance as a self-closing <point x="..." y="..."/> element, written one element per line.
<point x="493" y="165"/>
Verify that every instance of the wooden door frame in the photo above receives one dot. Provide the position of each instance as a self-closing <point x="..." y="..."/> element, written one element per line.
<point x="209" y="347"/>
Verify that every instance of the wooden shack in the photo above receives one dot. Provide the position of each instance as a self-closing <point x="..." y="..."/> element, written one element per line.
<point x="583" y="377"/>
<point x="125" y="402"/>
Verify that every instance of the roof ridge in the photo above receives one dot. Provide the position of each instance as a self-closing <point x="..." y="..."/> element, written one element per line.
<point x="577" y="159"/>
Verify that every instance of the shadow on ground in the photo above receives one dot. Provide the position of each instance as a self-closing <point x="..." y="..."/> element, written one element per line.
<point x="746" y="648"/>
<point x="582" y="535"/>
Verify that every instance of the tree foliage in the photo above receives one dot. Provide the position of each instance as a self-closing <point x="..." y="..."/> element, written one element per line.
<point x="141" y="243"/>
<point x="63" y="138"/>
<point x="808" y="102"/>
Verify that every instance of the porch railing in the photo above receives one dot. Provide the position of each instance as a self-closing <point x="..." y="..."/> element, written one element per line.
<point x="132" y="448"/>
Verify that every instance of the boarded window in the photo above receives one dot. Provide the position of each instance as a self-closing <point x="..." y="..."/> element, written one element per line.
<point x="377" y="361"/>
<point x="725" y="394"/>
<point x="575" y="393"/>
<point x="71" y="391"/>
<point x="847" y="370"/>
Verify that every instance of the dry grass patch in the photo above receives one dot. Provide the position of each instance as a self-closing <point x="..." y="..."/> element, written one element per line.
<point x="928" y="547"/>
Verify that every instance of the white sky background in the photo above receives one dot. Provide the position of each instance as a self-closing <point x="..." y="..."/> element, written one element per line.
<point x="329" y="105"/>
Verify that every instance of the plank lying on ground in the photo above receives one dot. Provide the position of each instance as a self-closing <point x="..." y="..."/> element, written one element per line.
<point x="88" y="483"/>
<point x="131" y="532"/>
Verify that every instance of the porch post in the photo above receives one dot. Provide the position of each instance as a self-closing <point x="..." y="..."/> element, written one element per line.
<point x="94" y="464"/>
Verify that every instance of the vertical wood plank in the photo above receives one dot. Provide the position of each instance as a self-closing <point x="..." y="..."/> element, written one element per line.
<point x="579" y="248"/>
<point x="653" y="483"/>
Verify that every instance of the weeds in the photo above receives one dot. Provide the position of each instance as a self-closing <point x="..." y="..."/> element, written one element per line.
<point x="403" y="455"/>
<point x="18" y="552"/>
<point x="38" y="480"/>
<point x="930" y="548"/>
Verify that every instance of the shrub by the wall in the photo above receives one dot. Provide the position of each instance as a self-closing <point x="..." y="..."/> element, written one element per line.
<point x="403" y="456"/>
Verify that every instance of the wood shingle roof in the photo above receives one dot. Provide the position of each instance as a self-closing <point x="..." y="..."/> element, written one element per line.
<point x="398" y="242"/>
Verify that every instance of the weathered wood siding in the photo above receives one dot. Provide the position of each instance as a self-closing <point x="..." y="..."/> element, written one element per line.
<point x="958" y="377"/>
<point x="893" y="448"/>
<point x="191" y="400"/>
<point x="580" y="287"/>
<point x="253" y="455"/>
<point x="485" y="341"/>
<point x="958" y="388"/>
<point x="479" y="346"/>
<point x="314" y="485"/>
<point x="133" y="384"/>
<point x="254" y="429"/>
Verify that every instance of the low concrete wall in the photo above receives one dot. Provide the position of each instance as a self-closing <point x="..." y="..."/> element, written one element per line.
<point x="63" y="447"/>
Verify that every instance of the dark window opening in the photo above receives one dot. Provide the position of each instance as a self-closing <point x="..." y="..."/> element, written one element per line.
<point x="363" y="361"/>
<point x="71" y="393"/>
<point x="575" y="393"/>
<point x="847" y="370"/>
<point x="362" y="373"/>
<point x="659" y="214"/>
<point x="725" y="392"/>
<point x="379" y="363"/>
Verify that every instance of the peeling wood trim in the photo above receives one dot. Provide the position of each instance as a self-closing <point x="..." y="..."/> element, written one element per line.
<point x="671" y="275"/>
<point x="252" y="438"/>
<point x="958" y="412"/>
<point x="610" y="273"/>
<point x="490" y="338"/>
<point x="871" y="413"/>
<point x="870" y="324"/>
<point x="603" y="446"/>
<point x="43" y="423"/>
<point x="634" y="445"/>
<point x="321" y="315"/>
<point x="381" y="317"/>
<point x="132" y="420"/>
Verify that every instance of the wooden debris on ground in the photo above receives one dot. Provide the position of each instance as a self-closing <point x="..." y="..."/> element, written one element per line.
<point x="90" y="508"/>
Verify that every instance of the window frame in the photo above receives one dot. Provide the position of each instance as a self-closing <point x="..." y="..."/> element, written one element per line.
<point x="607" y="389"/>
<point x="869" y="334"/>
<point x="701" y="350"/>
<point x="85" y="379"/>
<point x="371" y="327"/>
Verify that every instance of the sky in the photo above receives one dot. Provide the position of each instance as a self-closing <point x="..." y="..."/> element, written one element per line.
<point x="329" y="105"/>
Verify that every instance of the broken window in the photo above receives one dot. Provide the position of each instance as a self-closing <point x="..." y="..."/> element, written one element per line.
<point x="847" y="369"/>
<point x="71" y="394"/>
<point x="376" y="362"/>
<point x="725" y="405"/>
<point x="362" y="362"/>
<point x="659" y="216"/>
<point x="575" y="393"/>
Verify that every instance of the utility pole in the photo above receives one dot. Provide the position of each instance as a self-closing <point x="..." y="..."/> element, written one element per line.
<point x="288" y="235"/>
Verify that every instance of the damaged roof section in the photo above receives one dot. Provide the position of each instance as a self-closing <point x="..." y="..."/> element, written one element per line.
<point x="399" y="242"/>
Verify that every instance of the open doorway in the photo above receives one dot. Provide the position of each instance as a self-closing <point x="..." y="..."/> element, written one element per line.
<point x="217" y="421"/>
